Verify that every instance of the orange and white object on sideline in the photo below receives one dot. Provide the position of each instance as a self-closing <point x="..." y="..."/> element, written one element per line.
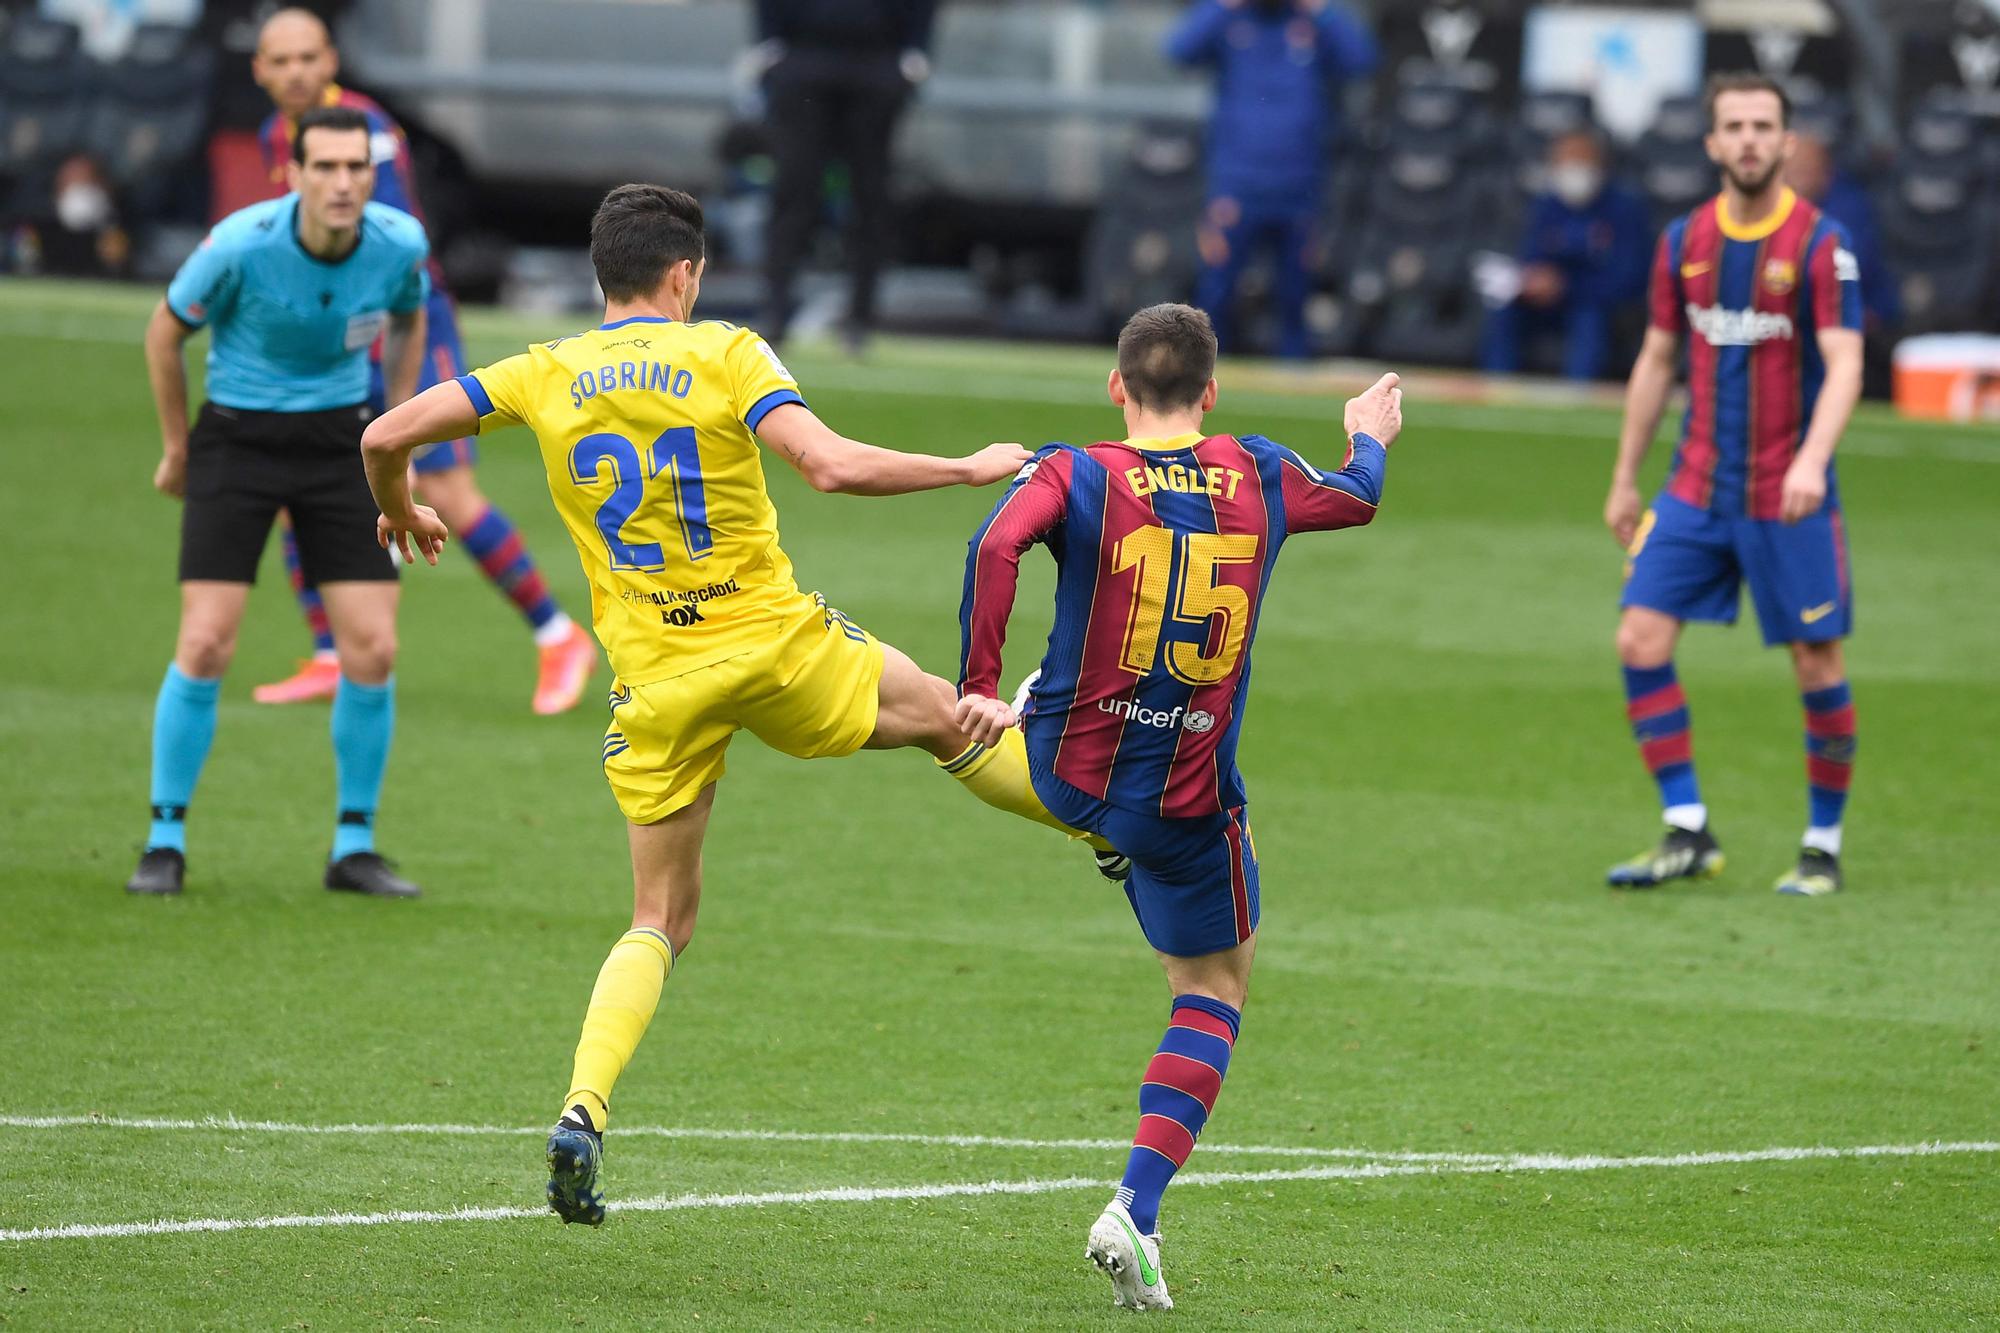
<point x="1948" y="377"/>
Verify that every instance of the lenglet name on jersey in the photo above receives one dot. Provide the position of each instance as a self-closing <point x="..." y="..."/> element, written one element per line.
<point x="646" y="376"/>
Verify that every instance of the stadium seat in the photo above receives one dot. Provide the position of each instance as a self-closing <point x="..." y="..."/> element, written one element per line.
<point x="152" y="105"/>
<point x="43" y="78"/>
<point x="1141" y="248"/>
<point x="1939" y="236"/>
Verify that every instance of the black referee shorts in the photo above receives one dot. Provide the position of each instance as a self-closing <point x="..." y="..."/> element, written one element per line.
<point x="243" y="467"/>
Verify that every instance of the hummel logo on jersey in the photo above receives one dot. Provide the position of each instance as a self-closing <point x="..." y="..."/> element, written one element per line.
<point x="1814" y="614"/>
<point x="1737" y="328"/>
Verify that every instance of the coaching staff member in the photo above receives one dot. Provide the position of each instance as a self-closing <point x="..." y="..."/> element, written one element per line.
<point x="294" y="292"/>
<point x="843" y="71"/>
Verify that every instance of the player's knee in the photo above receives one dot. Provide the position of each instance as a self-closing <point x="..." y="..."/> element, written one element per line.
<point x="368" y="656"/>
<point x="1818" y="664"/>
<point x="1643" y="645"/>
<point x="204" y="651"/>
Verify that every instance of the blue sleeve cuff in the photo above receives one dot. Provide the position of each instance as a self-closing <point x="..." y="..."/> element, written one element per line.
<point x="187" y="320"/>
<point x="762" y="407"/>
<point x="481" y="403"/>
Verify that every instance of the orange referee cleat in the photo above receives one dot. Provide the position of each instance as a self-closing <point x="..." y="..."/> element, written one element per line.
<point x="566" y="667"/>
<point x="317" y="678"/>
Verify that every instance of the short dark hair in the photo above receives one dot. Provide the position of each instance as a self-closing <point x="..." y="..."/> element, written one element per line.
<point x="640" y="232"/>
<point x="325" y="118"/>
<point x="1744" y="81"/>
<point x="1166" y="356"/>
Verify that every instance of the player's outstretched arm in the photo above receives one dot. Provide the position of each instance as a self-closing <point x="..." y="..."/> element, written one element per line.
<point x="441" y="412"/>
<point x="166" y="369"/>
<point x="1805" y="480"/>
<point x="1645" y="399"/>
<point x="832" y="463"/>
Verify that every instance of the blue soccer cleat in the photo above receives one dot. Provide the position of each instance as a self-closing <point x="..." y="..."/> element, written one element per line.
<point x="575" y="1150"/>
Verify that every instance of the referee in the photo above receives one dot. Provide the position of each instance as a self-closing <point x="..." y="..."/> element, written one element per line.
<point x="294" y="291"/>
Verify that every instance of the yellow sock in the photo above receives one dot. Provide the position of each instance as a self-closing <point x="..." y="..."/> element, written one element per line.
<point x="621" y="1005"/>
<point x="998" y="775"/>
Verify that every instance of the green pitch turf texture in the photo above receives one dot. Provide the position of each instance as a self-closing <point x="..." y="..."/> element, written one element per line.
<point x="1440" y="772"/>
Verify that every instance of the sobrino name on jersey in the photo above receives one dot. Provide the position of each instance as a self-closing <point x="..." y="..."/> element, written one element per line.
<point x="648" y="376"/>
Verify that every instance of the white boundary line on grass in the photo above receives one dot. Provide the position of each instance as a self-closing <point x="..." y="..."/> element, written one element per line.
<point x="1527" y="1162"/>
<point x="231" y="1124"/>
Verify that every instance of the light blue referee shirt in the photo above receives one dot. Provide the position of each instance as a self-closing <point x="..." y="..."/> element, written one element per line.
<point x="291" y="333"/>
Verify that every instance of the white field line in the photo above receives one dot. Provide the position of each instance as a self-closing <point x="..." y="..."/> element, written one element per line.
<point x="1528" y="1162"/>
<point x="230" y="1124"/>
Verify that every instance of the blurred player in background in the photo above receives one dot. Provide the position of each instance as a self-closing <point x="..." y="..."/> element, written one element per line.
<point x="1767" y="291"/>
<point x="294" y="291"/>
<point x="648" y="427"/>
<point x="841" y="73"/>
<point x="1278" y="69"/>
<point x="1164" y="544"/>
<point x="296" y="64"/>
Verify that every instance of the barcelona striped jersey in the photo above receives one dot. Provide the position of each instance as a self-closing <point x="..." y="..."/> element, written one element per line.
<point x="1163" y="551"/>
<point x="646" y="430"/>
<point x="1750" y="301"/>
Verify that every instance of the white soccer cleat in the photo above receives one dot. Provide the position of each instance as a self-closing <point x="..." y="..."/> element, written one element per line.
<point x="1132" y="1260"/>
<point x="1026" y="688"/>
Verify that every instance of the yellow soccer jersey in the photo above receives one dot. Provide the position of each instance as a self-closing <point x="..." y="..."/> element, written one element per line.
<point x="646" y="433"/>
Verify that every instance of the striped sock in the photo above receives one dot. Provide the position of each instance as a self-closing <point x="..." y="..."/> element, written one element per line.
<point x="1659" y="714"/>
<point x="496" y="544"/>
<point x="309" y="602"/>
<point x="1829" y="761"/>
<point x="1175" y="1099"/>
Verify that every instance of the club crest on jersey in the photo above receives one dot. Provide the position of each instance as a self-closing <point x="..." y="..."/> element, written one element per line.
<point x="1780" y="276"/>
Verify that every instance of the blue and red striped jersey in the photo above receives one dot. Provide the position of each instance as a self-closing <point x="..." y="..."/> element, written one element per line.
<point x="1751" y="301"/>
<point x="1163" y="550"/>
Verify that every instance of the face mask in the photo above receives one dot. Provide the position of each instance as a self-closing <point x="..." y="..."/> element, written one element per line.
<point x="1576" y="183"/>
<point x="83" y="207"/>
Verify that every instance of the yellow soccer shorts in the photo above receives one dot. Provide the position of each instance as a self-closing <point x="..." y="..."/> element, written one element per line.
<point x="812" y="692"/>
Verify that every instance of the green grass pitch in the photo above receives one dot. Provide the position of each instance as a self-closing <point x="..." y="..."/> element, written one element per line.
<point x="1439" y="769"/>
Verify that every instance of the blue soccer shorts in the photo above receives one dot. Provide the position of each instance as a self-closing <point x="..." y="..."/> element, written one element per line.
<point x="444" y="359"/>
<point x="1193" y="884"/>
<point x="1691" y="564"/>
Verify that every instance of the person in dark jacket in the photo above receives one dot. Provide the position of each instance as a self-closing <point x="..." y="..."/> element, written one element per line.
<point x="843" y="71"/>
<point x="1585" y="256"/>
<point x="1812" y="171"/>
<point x="1278" y="66"/>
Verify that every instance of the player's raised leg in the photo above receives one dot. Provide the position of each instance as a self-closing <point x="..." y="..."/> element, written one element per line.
<point x="363" y="614"/>
<point x="917" y="710"/>
<point x="1657" y="709"/>
<point x="184" y="725"/>
<point x="666" y="895"/>
<point x="319" y="674"/>
<point x="1830" y="747"/>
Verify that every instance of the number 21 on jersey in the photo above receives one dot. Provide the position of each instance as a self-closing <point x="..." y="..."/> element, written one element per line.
<point x="1154" y="554"/>
<point x="667" y="469"/>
